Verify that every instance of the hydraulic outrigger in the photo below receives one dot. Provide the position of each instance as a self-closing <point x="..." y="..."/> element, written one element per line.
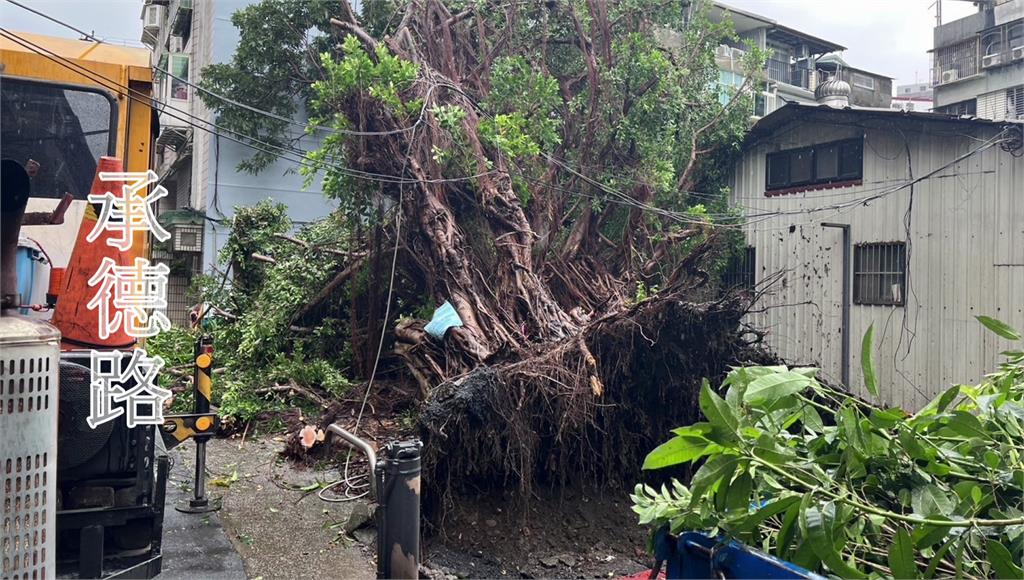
<point x="200" y="425"/>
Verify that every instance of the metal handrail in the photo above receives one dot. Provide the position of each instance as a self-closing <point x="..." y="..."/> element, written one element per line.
<point x="363" y="446"/>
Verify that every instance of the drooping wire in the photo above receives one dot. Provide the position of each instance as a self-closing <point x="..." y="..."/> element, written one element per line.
<point x="242" y="139"/>
<point x="618" y="196"/>
<point x="55" y="20"/>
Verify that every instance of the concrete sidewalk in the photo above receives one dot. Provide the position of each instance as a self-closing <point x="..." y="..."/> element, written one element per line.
<point x="194" y="545"/>
<point x="267" y="528"/>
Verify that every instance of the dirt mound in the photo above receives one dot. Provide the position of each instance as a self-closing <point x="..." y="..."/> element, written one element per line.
<point x="571" y="533"/>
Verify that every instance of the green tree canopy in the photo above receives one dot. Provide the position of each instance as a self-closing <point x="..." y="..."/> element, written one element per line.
<point x="536" y="164"/>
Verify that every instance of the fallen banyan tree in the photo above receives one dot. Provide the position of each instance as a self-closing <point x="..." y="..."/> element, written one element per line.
<point x="553" y="171"/>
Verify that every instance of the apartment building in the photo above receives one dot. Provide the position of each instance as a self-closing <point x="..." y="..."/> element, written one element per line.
<point x="196" y="163"/>
<point x="798" y="63"/>
<point x="978" y="62"/>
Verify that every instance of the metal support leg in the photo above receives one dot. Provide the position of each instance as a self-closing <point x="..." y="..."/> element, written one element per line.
<point x="90" y="557"/>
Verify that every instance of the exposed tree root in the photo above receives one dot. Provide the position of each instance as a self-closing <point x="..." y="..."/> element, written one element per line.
<point x="587" y="409"/>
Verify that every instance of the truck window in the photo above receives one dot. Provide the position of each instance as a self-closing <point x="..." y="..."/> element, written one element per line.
<point x="63" y="128"/>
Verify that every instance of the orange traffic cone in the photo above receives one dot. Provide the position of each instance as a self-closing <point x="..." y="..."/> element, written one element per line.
<point x="79" y="326"/>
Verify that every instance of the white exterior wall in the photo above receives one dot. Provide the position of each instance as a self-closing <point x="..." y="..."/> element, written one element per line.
<point x="966" y="256"/>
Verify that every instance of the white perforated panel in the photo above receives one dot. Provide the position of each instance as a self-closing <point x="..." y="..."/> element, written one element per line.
<point x="28" y="422"/>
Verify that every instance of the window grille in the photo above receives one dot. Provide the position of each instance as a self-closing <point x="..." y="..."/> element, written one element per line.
<point x="879" y="273"/>
<point x="1015" y="102"/>
<point x="863" y="81"/>
<point x="992" y="42"/>
<point x="968" y="108"/>
<point x="740" y="271"/>
<point x="956" y="61"/>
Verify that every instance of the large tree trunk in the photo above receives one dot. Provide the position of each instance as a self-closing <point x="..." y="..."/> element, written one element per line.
<point x="556" y="369"/>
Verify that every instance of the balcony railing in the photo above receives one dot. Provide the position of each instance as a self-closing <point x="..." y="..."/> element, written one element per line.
<point x="957" y="61"/>
<point x="779" y="71"/>
<point x="786" y="72"/>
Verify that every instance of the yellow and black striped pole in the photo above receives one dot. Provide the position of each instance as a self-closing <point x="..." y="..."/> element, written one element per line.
<point x="202" y="387"/>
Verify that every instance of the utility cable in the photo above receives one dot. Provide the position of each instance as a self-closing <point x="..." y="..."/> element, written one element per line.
<point x="56" y="21"/>
<point x="272" y="115"/>
<point x="622" y="198"/>
<point x="243" y="139"/>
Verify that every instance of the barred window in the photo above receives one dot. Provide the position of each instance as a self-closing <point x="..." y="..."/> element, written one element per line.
<point x="968" y="108"/>
<point x="879" y="273"/>
<point x="740" y="271"/>
<point x="1015" y="102"/>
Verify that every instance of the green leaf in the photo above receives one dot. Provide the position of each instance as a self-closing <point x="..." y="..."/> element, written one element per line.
<point x="812" y="420"/>
<point x="967" y="425"/>
<point x="939" y="555"/>
<point x="909" y="440"/>
<point x="713" y="470"/>
<point x="718" y="412"/>
<point x="938" y="404"/>
<point x="770" y="388"/>
<point x="816" y="528"/>
<point x="928" y="500"/>
<point x="774" y="508"/>
<point x="767" y="450"/>
<point x="1002" y="561"/>
<point x="867" y="365"/>
<point x="946" y="398"/>
<point x="901" y="556"/>
<point x="887" y="418"/>
<point x="737" y="497"/>
<point x="999" y="328"/>
<point x="790" y="525"/>
<point x="677" y="450"/>
<point x="926" y="536"/>
<point x="696" y="430"/>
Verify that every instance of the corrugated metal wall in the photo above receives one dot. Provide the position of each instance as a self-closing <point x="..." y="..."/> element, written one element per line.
<point x="965" y="256"/>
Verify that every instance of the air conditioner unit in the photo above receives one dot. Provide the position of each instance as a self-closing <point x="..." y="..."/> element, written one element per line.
<point x="1017" y="53"/>
<point x="723" y="51"/>
<point x="991" y="60"/>
<point x="153" y="17"/>
<point x="738" y="53"/>
<point x="175" y="44"/>
<point x="188" y="238"/>
<point x="949" y="76"/>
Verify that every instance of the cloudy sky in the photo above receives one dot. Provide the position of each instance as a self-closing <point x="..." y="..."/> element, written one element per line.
<point x="888" y="37"/>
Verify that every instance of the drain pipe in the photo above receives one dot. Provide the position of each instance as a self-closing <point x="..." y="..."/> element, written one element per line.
<point x="847" y="299"/>
<point x="395" y="485"/>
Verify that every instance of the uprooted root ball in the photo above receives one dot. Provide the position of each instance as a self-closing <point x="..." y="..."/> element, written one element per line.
<point x="587" y="410"/>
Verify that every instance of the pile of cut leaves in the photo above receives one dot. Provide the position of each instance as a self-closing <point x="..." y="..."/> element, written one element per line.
<point x="837" y="485"/>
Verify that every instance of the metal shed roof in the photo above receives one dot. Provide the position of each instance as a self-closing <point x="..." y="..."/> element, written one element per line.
<point x="815" y="112"/>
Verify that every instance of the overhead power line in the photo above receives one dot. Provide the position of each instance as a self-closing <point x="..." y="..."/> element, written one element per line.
<point x="617" y="196"/>
<point x="85" y="34"/>
<point x="243" y="139"/>
<point x="272" y="115"/>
